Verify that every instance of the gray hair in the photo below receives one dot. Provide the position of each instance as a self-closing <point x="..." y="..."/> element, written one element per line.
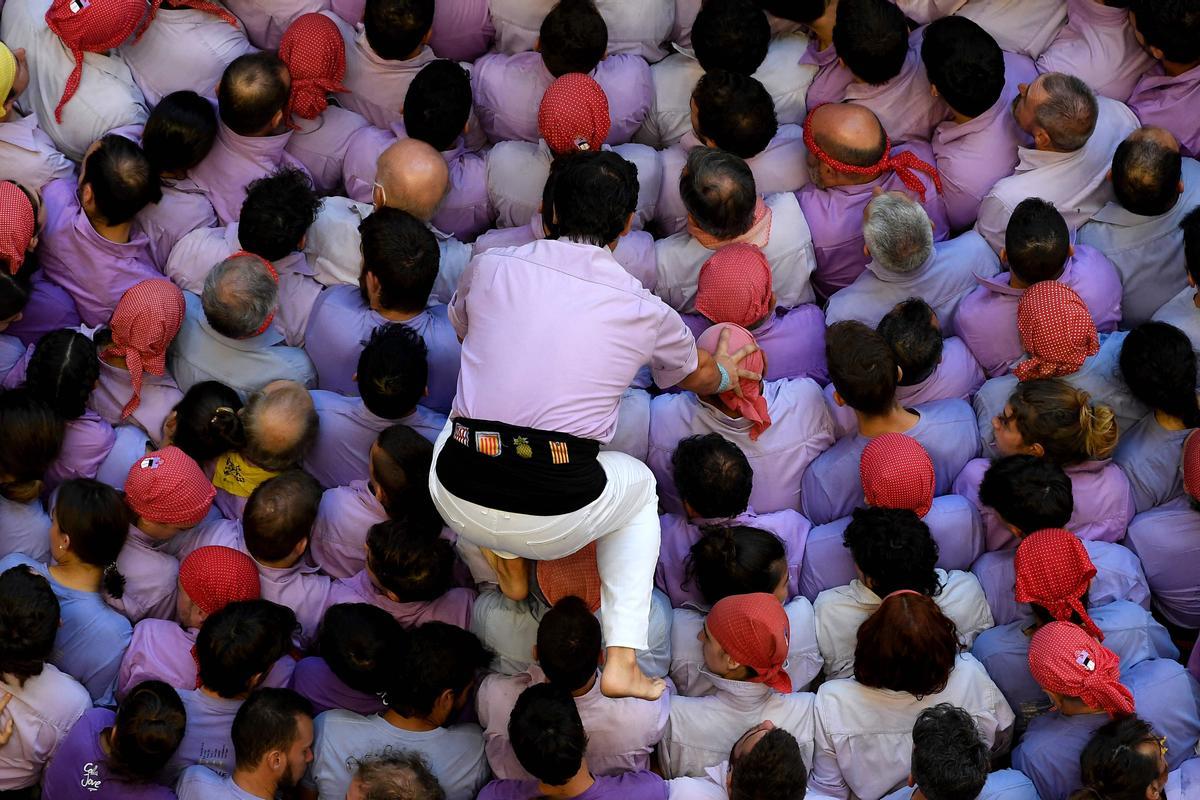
<point x="1069" y="112"/>
<point x="718" y="190"/>
<point x="397" y="775"/>
<point x="239" y="295"/>
<point x="281" y="422"/>
<point x="897" y="233"/>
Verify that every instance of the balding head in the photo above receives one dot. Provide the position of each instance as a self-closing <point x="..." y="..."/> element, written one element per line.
<point x="848" y="133"/>
<point x="239" y="296"/>
<point x="412" y="177"/>
<point x="1146" y="172"/>
<point x="281" y="423"/>
<point x="253" y="94"/>
<point x="1059" y="111"/>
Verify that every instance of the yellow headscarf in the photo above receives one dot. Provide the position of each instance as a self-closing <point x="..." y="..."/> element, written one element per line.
<point x="8" y="74"/>
<point x="237" y="476"/>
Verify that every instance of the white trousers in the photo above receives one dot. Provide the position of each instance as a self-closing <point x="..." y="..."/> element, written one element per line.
<point x="623" y="521"/>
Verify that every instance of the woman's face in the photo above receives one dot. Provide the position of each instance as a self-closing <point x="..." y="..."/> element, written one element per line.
<point x="1009" y="441"/>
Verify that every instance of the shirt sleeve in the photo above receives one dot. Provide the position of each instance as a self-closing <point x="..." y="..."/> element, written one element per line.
<point x="674" y="356"/>
<point x="457" y="307"/>
<point x="993" y="221"/>
<point x="826" y="775"/>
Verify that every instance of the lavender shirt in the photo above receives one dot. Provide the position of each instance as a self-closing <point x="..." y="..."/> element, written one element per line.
<point x="339" y="535"/>
<point x="183" y="209"/>
<point x="93" y="270"/>
<point x="973" y="155"/>
<point x="946" y="429"/>
<point x="79" y="768"/>
<point x="642" y="785"/>
<point x="322" y="144"/>
<point x="987" y="321"/>
<point x="159" y="396"/>
<point x="233" y="163"/>
<point x="1168" y="102"/>
<point x="27" y="153"/>
<point x="377" y="86"/>
<point x="462" y="30"/>
<point x="453" y="607"/>
<point x="315" y="681"/>
<point x="640" y="29"/>
<point x="835" y="218"/>
<point x="1097" y="46"/>
<point x="150" y="578"/>
<point x="1180" y="311"/>
<point x="1167" y="540"/>
<point x="906" y="107"/>
<point x="832" y="79"/>
<point x="87" y="441"/>
<point x="26" y="529"/>
<point x="208" y="737"/>
<point x="43" y="710"/>
<point x="266" y="20"/>
<point x="800" y="431"/>
<point x="948" y="275"/>
<point x="1150" y="455"/>
<point x="792" y="339"/>
<point x="50" y="307"/>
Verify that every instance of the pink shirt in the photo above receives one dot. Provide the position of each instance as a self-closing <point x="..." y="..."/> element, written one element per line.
<point x="266" y="20"/>
<point x="1097" y="46"/>
<point x="339" y="535"/>
<point x="42" y="711"/>
<point x="574" y="386"/>
<point x="905" y="106"/>
<point x="621" y="732"/>
<point x="973" y="155"/>
<point x="453" y="607"/>
<point x="28" y="154"/>
<point x="377" y="85"/>
<point x="638" y="28"/>
<point x="1169" y="102"/>
<point x="233" y="163"/>
<point x="1019" y="26"/>
<point x="832" y="78"/>
<point x="321" y="145"/>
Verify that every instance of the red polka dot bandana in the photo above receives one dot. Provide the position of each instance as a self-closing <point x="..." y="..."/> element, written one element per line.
<point x="143" y="327"/>
<point x="751" y="405"/>
<point x="735" y="286"/>
<point x="1056" y="330"/>
<point x="577" y="574"/>
<point x="315" y="54"/>
<point x="200" y="5"/>
<point x="1065" y="660"/>
<point x="1191" y="466"/>
<point x="91" y="26"/>
<point x="18" y="224"/>
<point x="573" y="115"/>
<point x="168" y="487"/>
<point x="1054" y="570"/>
<point x="215" y="576"/>
<point x="754" y="630"/>
<point x="896" y="472"/>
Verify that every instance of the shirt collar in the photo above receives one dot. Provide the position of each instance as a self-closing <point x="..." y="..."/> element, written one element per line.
<point x="741" y="695"/>
<point x="268" y="338"/>
<point x="1114" y="213"/>
<point x="887" y="276"/>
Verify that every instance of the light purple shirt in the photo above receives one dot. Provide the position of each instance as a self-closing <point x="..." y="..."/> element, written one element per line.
<point x="1150" y="455"/>
<point x="1019" y="26"/>
<point x="832" y="487"/>
<point x="316" y="682"/>
<point x="159" y="396"/>
<point x="266" y="20"/>
<point x="973" y="155"/>
<point x="835" y="218"/>
<point x="42" y="710"/>
<point x="832" y="79"/>
<point x="800" y="431"/>
<point x="641" y="785"/>
<point x="953" y="523"/>
<point x="1167" y="540"/>
<point x="341" y="323"/>
<point x="26" y="528"/>
<point x="208" y="737"/>
<point x="453" y="607"/>
<point x="80" y="767"/>
<point x="679" y="534"/>
<point x="639" y="28"/>
<point x="462" y="30"/>
<point x="1097" y="46"/>
<point x="86" y="443"/>
<point x="201" y="783"/>
<point x="574" y="386"/>
<point x="341" y="452"/>
<point x="987" y="319"/>
<point x="28" y="154"/>
<point x="1169" y="102"/>
<point x="377" y="86"/>
<point x="942" y="281"/>
<point x="93" y="270"/>
<point x="339" y="535"/>
<point x="1181" y="311"/>
<point x="792" y="339"/>
<point x="905" y="105"/>
<point x="234" y="162"/>
<point x="150" y="578"/>
<point x="183" y="208"/>
<point x="321" y="145"/>
<point x="50" y="307"/>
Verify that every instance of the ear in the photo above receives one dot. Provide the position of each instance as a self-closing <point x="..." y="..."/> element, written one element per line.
<point x="533" y="652"/>
<point x="1070" y="251"/>
<point x="1041" y="139"/>
<point x="277" y="120"/>
<point x="837" y="398"/>
<point x="87" y="198"/>
<point x="303" y="241"/>
<point x="866" y="250"/>
<point x="537" y="44"/>
<point x="899" y="374"/>
<point x="1157" y="53"/>
<point x="1037" y="450"/>
<point x="933" y="92"/>
<point x="1003" y="256"/>
<point x="911" y="780"/>
<point x="1108" y="175"/>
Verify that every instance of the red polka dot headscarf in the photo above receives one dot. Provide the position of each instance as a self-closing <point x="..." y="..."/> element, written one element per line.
<point x="1056" y="330"/>
<point x="573" y="115"/>
<point x="754" y="630"/>
<point x="1191" y="466"/>
<point x="168" y="487"/>
<point x="145" y="323"/>
<point x="216" y="576"/>
<point x="896" y="472"/>
<point x="751" y="405"/>
<point x="576" y="574"/>
<point x="216" y="9"/>
<point x="1065" y="660"/>
<point x="18" y="223"/>
<point x="735" y="285"/>
<point x="315" y="54"/>
<point x="91" y="26"/>
<point x="1053" y="570"/>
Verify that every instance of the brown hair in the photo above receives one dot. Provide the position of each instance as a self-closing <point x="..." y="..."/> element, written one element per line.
<point x="907" y="645"/>
<point x="1062" y="419"/>
<point x="31" y="435"/>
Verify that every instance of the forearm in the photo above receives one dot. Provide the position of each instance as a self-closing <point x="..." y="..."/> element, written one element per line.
<point x="706" y="378"/>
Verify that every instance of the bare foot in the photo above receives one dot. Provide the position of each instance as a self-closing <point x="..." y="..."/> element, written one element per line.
<point x="622" y="677"/>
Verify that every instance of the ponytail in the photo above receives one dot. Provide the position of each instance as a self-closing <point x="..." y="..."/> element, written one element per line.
<point x="113" y="581"/>
<point x="207" y="422"/>
<point x="733" y="560"/>
<point x="1098" y="426"/>
<point x="1062" y="419"/>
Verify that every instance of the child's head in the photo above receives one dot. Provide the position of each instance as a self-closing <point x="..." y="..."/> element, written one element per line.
<point x="279" y="517"/>
<point x="360" y="643"/>
<point x="211" y="578"/>
<point x="408" y="560"/>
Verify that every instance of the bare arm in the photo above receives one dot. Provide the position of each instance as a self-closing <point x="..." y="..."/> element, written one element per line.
<point x="706" y="378"/>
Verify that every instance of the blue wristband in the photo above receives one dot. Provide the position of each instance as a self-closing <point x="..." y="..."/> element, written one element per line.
<point x="726" y="381"/>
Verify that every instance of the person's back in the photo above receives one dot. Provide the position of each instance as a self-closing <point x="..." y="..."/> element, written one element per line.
<point x="1166" y="91"/>
<point x="384" y="55"/>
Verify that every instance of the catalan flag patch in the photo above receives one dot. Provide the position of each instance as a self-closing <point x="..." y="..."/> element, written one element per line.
<point x="462" y="435"/>
<point x="558" y="453"/>
<point x="487" y="443"/>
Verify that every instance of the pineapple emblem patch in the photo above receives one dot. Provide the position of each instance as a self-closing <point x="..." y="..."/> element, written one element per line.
<point x="521" y="444"/>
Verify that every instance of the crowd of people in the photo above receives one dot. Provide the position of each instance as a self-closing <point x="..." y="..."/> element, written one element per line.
<point x="639" y="399"/>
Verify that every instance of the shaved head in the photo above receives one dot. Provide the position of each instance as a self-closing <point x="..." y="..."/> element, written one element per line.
<point x="414" y="178"/>
<point x="849" y="132"/>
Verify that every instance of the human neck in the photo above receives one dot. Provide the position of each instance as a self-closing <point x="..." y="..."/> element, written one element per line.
<point x="257" y="782"/>
<point x="587" y="687"/>
<point x="283" y="563"/>
<point x="1169" y="422"/>
<point x="579" y="784"/>
<point x="210" y="693"/>
<point x="78" y="575"/>
<point x="393" y="314"/>
<point x="1175" y="69"/>
<point x="114" y="233"/>
<point x="822" y="26"/>
<point x="959" y="119"/>
<point x="896" y="420"/>
<point x="417" y="724"/>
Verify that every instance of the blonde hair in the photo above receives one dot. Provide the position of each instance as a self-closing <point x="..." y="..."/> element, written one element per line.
<point x="1063" y="420"/>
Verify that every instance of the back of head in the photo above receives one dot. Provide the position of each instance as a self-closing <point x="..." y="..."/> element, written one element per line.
<point x="269" y="720"/>
<point x="1036" y="242"/>
<point x="735" y="112"/>
<point x="179" y="132"/>
<point x="95" y="517"/>
<point x="239" y="296"/>
<point x="1171" y="26"/>
<point x="898" y="233"/>
<point x="907" y="645"/>
<point x="912" y="332"/>
<point x="731" y="35"/>
<point x="1029" y="493"/>
<point x="207" y="423"/>
<point x="595" y="192"/>
<point x="1159" y="366"/>
<point x="803" y="11"/>
<point x="121" y="178"/>
<point x="438" y="104"/>
<point x="400" y="469"/>
<point x="871" y="37"/>
<point x="32" y="436"/>
<point x="547" y="734"/>
<point x="568" y="644"/>
<point x="894" y="550"/>
<point x="949" y="760"/>
<point x="439" y="658"/>
<point x="861" y="367"/>
<point x="148" y="729"/>
<point x="63" y="372"/>
<point x="736" y="559"/>
<point x="772" y="770"/>
<point x="712" y="475"/>
<point x="280" y="424"/>
<point x="1062" y="419"/>
<point x="392" y="371"/>
<point x="1191" y="243"/>
<point x="397" y="775"/>
<point x="1120" y="761"/>
<point x="1146" y="173"/>
<point x="280" y="514"/>
<point x="573" y="37"/>
<point x="413" y="177"/>
<point x="409" y="558"/>
<point x="253" y="93"/>
<point x="719" y="192"/>
<point x="29" y="616"/>
<point x="402" y="253"/>
<point x="238" y="644"/>
<point x="1069" y="111"/>
<point x="360" y="643"/>
<point x="277" y="213"/>
<point x="396" y="28"/>
<point x="965" y="64"/>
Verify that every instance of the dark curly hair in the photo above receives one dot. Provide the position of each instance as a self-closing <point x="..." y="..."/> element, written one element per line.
<point x="894" y="550"/>
<point x="772" y="770"/>
<point x="712" y="475"/>
<point x="29" y="614"/>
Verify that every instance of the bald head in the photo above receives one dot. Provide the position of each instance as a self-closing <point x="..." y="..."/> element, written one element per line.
<point x="1147" y="172"/>
<point x="848" y="133"/>
<point x="414" y="178"/>
<point x="281" y="423"/>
